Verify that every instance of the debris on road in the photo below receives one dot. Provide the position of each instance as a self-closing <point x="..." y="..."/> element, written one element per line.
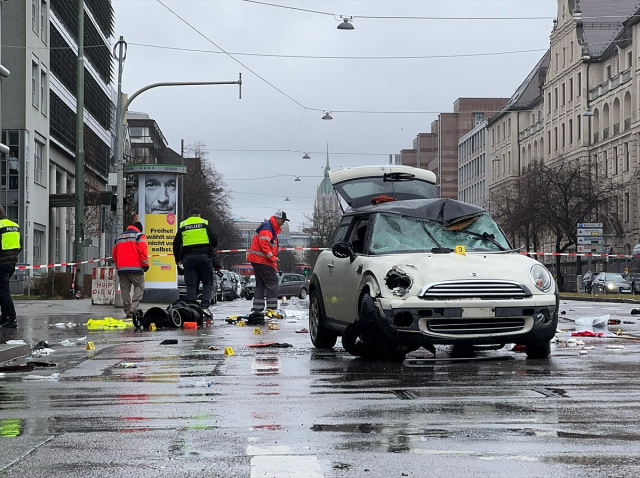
<point x="128" y="365"/>
<point x="271" y="344"/>
<point x="302" y="331"/>
<point x="229" y="351"/>
<point x="213" y="347"/>
<point x="586" y="333"/>
<point x="273" y="327"/>
<point x="635" y="311"/>
<point x="51" y="378"/>
<point x="615" y="347"/>
<point x="67" y="343"/>
<point x="106" y="324"/>
<point x="169" y="342"/>
<point x="16" y="342"/>
<point x="593" y="324"/>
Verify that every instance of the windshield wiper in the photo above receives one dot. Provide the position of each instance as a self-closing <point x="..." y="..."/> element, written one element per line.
<point x="441" y="250"/>
<point x="486" y="237"/>
<point x="424" y="226"/>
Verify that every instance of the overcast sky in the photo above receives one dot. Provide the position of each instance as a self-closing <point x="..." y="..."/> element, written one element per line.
<point x="268" y="119"/>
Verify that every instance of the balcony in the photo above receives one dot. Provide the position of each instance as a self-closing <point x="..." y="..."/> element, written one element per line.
<point x="611" y="84"/>
<point x="616" y="129"/>
<point x="605" y="133"/>
<point x="531" y="130"/>
<point x="627" y="124"/>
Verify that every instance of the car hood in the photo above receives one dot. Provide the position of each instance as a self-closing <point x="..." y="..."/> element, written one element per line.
<point x="429" y="268"/>
<point x="359" y="185"/>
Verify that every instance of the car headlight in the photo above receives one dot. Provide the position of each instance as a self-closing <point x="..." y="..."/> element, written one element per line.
<point x="541" y="277"/>
<point x="611" y="286"/>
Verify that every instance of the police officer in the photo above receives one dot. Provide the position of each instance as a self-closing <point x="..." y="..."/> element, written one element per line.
<point x="11" y="247"/>
<point x="195" y="247"/>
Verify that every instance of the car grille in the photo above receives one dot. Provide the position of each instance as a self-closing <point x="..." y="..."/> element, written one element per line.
<point x="470" y="326"/>
<point x="475" y="289"/>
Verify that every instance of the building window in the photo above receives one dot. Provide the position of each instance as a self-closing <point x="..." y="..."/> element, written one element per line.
<point x="504" y="129"/>
<point x="605" y="162"/>
<point x="557" y="62"/>
<point x="38" y="164"/>
<point x="509" y="128"/>
<point x="571" y="51"/>
<point x="498" y="132"/>
<point x="43" y="20"/>
<point x="570" y="131"/>
<point x="579" y="84"/>
<point x="626" y="156"/>
<point x="609" y="72"/>
<point x="43" y="90"/>
<point x="38" y="246"/>
<point x="549" y="141"/>
<point x="549" y="99"/>
<point x="564" y="94"/>
<point x="555" y="99"/>
<point x="34" y="83"/>
<point x="34" y="15"/>
<point x="626" y="207"/>
<point x="555" y="138"/>
<point x="615" y="160"/>
<point x="570" y="89"/>
<point x="479" y="117"/>
<point x="57" y="246"/>
<point x="563" y="135"/>
<point x="629" y="59"/>
<point x="579" y="125"/>
<point x="564" y="56"/>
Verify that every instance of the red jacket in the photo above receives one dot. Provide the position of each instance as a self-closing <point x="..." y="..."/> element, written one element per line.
<point x="264" y="247"/>
<point x="130" y="252"/>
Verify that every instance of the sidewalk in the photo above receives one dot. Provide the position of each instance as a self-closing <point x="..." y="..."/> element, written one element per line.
<point x="589" y="298"/>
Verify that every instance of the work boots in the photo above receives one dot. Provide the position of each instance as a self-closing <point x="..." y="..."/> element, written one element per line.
<point x="255" y="318"/>
<point x="8" y="323"/>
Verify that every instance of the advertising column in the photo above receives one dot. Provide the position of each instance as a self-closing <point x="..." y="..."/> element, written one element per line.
<point x="156" y="205"/>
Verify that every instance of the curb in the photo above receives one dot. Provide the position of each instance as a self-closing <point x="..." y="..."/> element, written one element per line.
<point x="10" y="352"/>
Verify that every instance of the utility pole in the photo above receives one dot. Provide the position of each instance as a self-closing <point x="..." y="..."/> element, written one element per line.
<point x="121" y="45"/>
<point x="181" y="178"/>
<point x="79" y="233"/>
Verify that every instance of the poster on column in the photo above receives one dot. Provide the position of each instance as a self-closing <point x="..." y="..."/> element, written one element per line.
<point x="156" y="204"/>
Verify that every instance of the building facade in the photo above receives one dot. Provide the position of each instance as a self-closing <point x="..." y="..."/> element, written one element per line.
<point x="473" y="167"/>
<point x="39" y="122"/>
<point x="437" y="151"/>
<point x="326" y="199"/>
<point x="580" y="106"/>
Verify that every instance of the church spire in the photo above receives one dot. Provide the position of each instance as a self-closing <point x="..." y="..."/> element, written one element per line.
<point x="327" y="168"/>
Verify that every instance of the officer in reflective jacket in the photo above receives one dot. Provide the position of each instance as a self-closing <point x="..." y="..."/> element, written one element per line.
<point x="195" y="247"/>
<point x="11" y="247"/>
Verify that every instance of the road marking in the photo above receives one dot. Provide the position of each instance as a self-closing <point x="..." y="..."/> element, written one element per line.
<point x="265" y="364"/>
<point x="286" y="466"/>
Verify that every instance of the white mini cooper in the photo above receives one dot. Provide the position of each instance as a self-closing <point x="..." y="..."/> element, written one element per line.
<point x="409" y="270"/>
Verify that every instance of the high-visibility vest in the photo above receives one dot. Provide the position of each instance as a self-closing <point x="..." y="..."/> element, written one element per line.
<point x="10" y="232"/>
<point x="195" y="231"/>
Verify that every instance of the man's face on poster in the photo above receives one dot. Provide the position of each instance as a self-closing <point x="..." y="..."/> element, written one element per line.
<point x="159" y="193"/>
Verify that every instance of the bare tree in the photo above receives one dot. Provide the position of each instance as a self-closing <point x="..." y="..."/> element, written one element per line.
<point x="205" y="189"/>
<point x="321" y="227"/>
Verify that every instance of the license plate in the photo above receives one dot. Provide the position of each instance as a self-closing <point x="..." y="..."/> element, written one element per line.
<point x="478" y="312"/>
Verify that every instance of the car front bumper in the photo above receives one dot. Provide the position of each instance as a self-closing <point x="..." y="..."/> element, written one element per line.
<point x="418" y="321"/>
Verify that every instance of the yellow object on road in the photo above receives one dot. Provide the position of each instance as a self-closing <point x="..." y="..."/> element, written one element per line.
<point x="90" y="346"/>
<point x="273" y="327"/>
<point x="229" y="351"/>
<point x="107" y="323"/>
<point x="257" y="331"/>
<point x="273" y="314"/>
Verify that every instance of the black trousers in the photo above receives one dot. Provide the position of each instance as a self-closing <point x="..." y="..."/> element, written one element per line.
<point x="198" y="267"/>
<point x="267" y="282"/>
<point x="6" y="302"/>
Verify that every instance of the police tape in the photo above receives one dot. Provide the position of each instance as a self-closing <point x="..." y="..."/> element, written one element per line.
<point x="64" y="264"/>
<point x="221" y="251"/>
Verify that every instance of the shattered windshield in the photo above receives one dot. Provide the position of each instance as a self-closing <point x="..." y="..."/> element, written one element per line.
<point x="393" y="233"/>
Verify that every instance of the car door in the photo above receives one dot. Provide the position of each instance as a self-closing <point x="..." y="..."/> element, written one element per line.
<point x="285" y="285"/>
<point x="347" y="274"/>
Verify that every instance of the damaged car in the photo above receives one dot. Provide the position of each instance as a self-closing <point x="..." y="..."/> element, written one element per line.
<point x="410" y="270"/>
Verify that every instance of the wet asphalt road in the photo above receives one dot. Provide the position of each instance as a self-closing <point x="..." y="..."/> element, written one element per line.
<point x="300" y="412"/>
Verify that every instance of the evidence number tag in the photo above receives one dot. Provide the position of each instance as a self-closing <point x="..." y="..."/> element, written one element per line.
<point x="460" y="250"/>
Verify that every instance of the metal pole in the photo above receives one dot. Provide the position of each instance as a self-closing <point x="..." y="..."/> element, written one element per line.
<point x="79" y="233"/>
<point x="181" y="178"/>
<point x="121" y="118"/>
<point x="122" y="48"/>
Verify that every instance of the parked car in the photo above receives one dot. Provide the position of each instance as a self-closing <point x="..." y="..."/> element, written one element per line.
<point x="226" y="286"/>
<point x="250" y="288"/>
<point x="182" y="288"/>
<point x="587" y="281"/>
<point x="408" y="269"/>
<point x="237" y="284"/>
<point x="611" y="283"/>
<point x="293" y="285"/>
<point x="634" y="278"/>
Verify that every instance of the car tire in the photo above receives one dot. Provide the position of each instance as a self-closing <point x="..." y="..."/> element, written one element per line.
<point x="176" y="319"/>
<point x="303" y="293"/>
<point x="321" y="337"/>
<point x="538" y="350"/>
<point x="137" y="318"/>
<point x="352" y="341"/>
<point x="375" y="347"/>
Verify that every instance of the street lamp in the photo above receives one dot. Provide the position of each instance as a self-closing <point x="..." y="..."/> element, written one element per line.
<point x="297" y="178"/>
<point x="306" y="156"/>
<point x="287" y="199"/>
<point x="345" y="24"/>
<point x="327" y="115"/>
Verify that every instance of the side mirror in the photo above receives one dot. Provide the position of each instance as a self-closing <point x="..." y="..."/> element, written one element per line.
<point x="342" y="250"/>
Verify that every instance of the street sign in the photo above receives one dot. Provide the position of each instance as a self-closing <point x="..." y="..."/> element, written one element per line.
<point x="587" y="240"/>
<point x="590" y="225"/>
<point x="590" y="232"/>
<point x="590" y="249"/>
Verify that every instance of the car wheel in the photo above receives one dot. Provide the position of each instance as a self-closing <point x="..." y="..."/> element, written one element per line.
<point x="352" y="340"/>
<point x="303" y="293"/>
<point x="538" y="350"/>
<point x="375" y="346"/>
<point x="176" y="318"/>
<point x="320" y="336"/>
<point x="137" y="318"/>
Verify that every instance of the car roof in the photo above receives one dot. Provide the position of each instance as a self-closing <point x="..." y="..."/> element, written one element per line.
<point x="446" y="211"/>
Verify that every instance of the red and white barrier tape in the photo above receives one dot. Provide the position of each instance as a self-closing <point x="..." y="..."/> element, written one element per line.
<point x="566" y="254"/>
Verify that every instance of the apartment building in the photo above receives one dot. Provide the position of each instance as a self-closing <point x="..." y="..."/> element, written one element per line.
<point x="473" y="167"/>
<point x="579" y="105"/>
<point x="437" y="150"/>
<point x="39" y="39"/>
